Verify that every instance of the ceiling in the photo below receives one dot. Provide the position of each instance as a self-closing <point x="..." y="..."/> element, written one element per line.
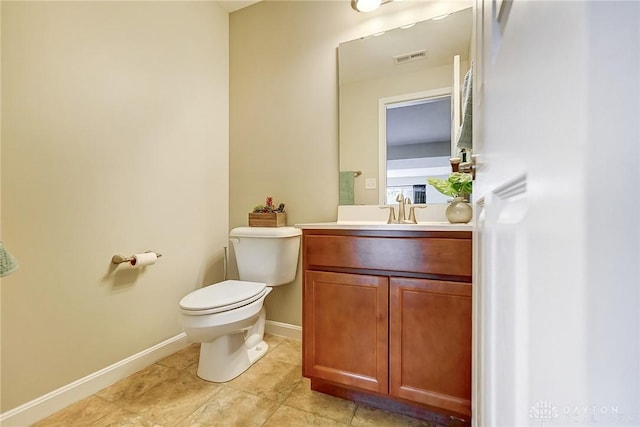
<point x="419" y="123"/>
<point x="372" y="57"/>
<point x="233" y="5"/>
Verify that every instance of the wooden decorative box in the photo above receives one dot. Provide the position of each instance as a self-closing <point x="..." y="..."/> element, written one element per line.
<point x="275" y="219"/>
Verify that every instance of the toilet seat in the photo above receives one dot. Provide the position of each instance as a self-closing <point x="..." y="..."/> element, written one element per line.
<point x="223" y="296"/>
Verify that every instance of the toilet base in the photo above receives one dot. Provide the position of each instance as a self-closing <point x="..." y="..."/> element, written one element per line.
<point x="230" y="355"/>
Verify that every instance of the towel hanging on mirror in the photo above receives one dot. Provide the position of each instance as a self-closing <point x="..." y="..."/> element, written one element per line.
<point x="464" y="136"/>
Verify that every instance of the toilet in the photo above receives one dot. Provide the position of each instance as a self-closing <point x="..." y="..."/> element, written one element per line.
<point x="228" y="318"/>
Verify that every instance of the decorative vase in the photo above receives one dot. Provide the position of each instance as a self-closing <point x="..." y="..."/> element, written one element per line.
<point x="459" y="211"/>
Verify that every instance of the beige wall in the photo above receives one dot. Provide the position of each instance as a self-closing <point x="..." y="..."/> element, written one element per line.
<point x="284" y="109"/>
<point x="114" y="140"/>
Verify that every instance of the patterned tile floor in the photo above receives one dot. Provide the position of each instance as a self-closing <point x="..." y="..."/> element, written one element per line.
<point x="272" y="393"/>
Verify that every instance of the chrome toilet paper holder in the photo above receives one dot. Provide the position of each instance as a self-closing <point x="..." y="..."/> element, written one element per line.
<point x="119" y="259"/>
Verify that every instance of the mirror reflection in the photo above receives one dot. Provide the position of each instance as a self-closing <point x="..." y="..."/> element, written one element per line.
<point x="399" y="109"/>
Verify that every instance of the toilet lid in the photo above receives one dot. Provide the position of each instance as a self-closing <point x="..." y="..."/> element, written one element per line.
<point x="224" y="294"/>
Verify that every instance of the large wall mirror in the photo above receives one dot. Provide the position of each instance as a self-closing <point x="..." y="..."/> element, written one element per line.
<point x="399" y="93"/>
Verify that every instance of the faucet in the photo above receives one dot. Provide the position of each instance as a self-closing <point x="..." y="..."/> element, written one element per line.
<point x="401" y="214"/>
<point x="392" y="214"/>
<point x="412" y="213"/>
<point x="403" y="203"/>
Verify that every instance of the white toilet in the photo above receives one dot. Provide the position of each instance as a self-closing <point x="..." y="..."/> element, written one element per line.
<point x="228" y="317"/>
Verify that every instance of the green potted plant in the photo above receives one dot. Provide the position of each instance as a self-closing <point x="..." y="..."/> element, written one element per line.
<point x="459" y="186"/>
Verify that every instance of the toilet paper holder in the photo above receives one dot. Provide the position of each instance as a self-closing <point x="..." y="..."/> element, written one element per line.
<point x="119" y="259"/>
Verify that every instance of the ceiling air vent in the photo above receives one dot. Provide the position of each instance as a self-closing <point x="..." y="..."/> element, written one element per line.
<point x="409" y="57"/>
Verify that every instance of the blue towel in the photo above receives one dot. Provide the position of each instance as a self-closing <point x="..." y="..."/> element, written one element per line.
<point x="464" y="133"/>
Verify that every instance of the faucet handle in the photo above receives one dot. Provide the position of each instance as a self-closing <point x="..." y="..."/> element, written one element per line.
<point x="412" y="213"/>
<point x="392" y="214"/>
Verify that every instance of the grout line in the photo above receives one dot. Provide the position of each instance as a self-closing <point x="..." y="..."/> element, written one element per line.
<point x="315" y="414"/>
<point x="271" y="414"/>
<point x="206" y="402"/>
<point x="355" y="409"/>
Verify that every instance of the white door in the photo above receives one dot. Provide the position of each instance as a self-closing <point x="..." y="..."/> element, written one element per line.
<point x="557" y="191"/>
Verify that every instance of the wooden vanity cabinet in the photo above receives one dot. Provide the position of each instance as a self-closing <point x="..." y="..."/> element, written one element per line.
<point x="387" y="317"/>
<point x="430" y="343"/>
<point x="347" y="317"/>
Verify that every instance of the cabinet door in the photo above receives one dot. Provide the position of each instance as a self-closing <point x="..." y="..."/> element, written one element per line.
<point x="430" y="343"/>
<point x="345" y="329"/>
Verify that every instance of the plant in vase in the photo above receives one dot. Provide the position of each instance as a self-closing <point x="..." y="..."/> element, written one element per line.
<point x="459" y="186"/>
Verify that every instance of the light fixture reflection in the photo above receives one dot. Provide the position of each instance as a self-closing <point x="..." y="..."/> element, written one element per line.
<point x="365" y="5"/>
<point x="437" y="18"/>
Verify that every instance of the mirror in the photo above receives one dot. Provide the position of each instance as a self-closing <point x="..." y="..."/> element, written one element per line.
<point x="398" y="97"/>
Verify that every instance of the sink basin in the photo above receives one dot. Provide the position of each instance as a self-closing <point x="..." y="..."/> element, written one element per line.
<point x="366" y="214"/>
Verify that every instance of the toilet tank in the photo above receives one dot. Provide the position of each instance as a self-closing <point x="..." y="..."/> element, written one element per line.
<point x="266" y="254"/>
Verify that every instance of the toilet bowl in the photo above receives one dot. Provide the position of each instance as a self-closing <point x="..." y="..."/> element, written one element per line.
<point x="231" y="332"/>
<point x="228" y="318"/>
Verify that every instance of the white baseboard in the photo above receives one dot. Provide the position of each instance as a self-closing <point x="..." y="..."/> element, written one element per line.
<point x="62" y="397"/>
<point x="283" y="329"/>
<point x="54" y="401"/>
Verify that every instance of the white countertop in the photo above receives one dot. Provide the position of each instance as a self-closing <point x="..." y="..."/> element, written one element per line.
<point x="375" y="225"/>
<point x="371" y="217"/>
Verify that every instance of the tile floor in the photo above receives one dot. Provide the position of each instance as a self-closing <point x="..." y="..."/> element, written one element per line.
<point x="272" y="393"/>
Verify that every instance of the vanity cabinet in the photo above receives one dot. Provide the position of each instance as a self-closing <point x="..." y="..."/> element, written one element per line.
<point x="346" y="316"/>
<point x="387" y="317"/>
<point x="430" y="343"/>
